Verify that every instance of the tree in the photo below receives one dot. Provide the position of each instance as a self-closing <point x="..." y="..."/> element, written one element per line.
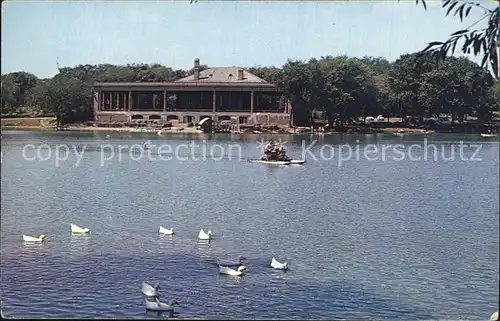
<point x="424" y="87"/>
<point x="272" y="75"/>
<point x="297" y="84"/>
<point x="16" y="89"/>
<point x="406" y="79"/>
<point x="380" y="69"/>
<point x="9" y="95"/>
<point x="68" y="98"/>
<point x="350" y="90"/>
<point x="482" y="42"/>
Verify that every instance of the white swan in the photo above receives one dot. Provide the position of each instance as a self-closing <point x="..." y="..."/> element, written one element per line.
<point x="229" y="271"/>
<point x="494" y="316"/>
<point x="75" y="229"/>
<point x="278" y="266"/>
<point x="205" y="236"/>
<point x="27" y="238"/>
<point x="150" y="290"/>
<point x="166" y="231"/>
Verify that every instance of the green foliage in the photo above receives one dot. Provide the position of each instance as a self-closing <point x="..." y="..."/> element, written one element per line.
<point x="423" y="86"/>
<point x="69" y="94"/>
<point x="16" y="88"/>
<point x="272" y="75"/>
<point x="340" y="89"/>
<point x="483" y="42"/>
<point x="66" y="97"/>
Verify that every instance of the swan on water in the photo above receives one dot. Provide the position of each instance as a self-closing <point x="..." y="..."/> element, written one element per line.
<point x="166" y="231"/>
<point x="75" y="229"/>
<point x="240" y="261"/>
<point x="494" y="316"/>
<point x="155" y="305"/>
<point x="229" y="271"/>
<point x="277" y="265"/>
<point x="27" y="238"/>
<point x="150" y="290"/>
<point x="205" y="236"/>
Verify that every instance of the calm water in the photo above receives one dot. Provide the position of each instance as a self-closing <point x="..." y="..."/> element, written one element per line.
<point x="389" y="239"/>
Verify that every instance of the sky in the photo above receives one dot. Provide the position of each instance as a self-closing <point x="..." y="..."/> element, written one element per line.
<point x="39" y="35"/>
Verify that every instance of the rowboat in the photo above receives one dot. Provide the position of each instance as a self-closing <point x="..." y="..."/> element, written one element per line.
<point x="489" y="135"/>
<point x="261" y="161"/>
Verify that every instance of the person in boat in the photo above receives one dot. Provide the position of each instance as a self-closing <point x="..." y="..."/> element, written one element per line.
<point x="282" y="154"/>
<point x="274" y="152"/>
<point x="269" y="150"/>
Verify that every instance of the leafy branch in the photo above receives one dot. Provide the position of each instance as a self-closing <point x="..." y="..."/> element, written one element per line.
<point x="482" y="42"/>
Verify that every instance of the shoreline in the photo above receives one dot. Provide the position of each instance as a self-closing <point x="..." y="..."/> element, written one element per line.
<point x="48" y="124"/>
<point x="193" y="130"/>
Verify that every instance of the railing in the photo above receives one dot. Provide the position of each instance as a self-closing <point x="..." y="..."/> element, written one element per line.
<point x="274" y="111"/>
<point x="187" y="110"/>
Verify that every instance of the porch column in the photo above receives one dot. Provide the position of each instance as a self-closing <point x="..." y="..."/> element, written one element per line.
<point x="251" y="101"/>
<point x="164" y="100"/>
<point x="129" y="100"/>
<point x="214" y="101"/>
<point x="99" y="101"/>
<point x="96" y="102"/>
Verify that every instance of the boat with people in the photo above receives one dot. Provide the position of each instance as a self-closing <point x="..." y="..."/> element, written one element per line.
<point x="275" y="154"/>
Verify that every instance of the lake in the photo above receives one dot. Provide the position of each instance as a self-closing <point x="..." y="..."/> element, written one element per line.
<point x="373" y="226"/>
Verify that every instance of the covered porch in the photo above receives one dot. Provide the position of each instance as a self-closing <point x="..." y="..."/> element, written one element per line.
<point x="203" y="100"/>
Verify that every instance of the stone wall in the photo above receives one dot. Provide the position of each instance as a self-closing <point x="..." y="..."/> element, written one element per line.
<point x="269" y="119"/>
<point x="279" y="119"/>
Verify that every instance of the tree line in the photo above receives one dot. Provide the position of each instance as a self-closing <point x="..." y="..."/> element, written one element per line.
<point x="343" y="88"/>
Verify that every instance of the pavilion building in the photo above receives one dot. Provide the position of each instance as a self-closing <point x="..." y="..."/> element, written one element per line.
<point x="227" y="93"/>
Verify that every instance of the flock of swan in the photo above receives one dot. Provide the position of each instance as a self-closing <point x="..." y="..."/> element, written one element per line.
<point x="151" y="292"/>
<point x="229" y="268"/>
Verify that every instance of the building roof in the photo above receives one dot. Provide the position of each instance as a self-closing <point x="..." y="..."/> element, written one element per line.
<point x="224" y="75"/>
<point x="186" y="84"/>
<point x="235" y="78"/>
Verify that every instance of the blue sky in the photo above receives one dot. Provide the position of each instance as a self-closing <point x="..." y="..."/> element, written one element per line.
<point x="35" y="34"/>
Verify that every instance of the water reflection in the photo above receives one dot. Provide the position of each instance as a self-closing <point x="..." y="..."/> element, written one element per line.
<point x="168" y="239"/>
<point x="203" y="244"/>
<point x="29" y="248"/>
<point x="79" y="243"/>
<point x="204" y="247"/>
<point x="277" y="279"/>
<point x="233" y="279"/>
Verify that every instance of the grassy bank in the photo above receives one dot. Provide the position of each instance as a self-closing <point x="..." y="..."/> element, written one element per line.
<point x="39" y="123"/>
